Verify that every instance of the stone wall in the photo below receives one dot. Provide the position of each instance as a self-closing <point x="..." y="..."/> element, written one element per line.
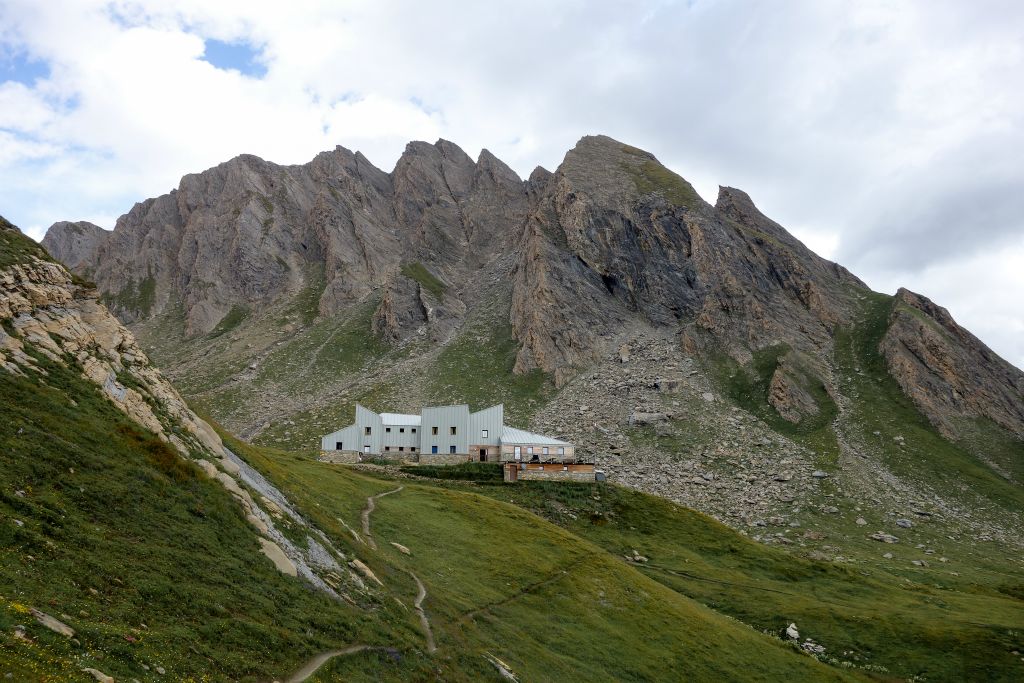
<point x="443" y="458"/>
<point x="556" y="474"/>
<point x="339" y="457"/>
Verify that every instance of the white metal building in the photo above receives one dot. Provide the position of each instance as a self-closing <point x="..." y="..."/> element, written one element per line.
<point x="446" y="434"/>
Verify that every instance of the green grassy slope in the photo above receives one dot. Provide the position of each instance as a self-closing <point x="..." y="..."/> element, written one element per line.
<point x="937" y="628"/>
<point x="151" y="563"/>
<point x="503" y="581"/>
<point x="106" y="528"/>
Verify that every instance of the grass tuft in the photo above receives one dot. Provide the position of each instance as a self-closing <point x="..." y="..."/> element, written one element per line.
<point x="418" y="272"/>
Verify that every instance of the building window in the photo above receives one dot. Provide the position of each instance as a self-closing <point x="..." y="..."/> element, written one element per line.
<point x="561" y="451"/>
<point x="412" y="448"/>
<point x="451" y="449"/>
<point x="367" y="431"/>
<point x="483" y="433"/>
<point x="386" y="429"/>
<point x="529" y="450"/>
<point x="401" y="448"/>
<point x="387" y="448"/>
<point x="433" y="449"/>
<point x="337" y="445"/>
<point x="413" y="430"/>
<point x="519" y="452"/>
<point x="366" y="449"/>
<point x="433" y="430"/>
<point x="545" y="450"/>
<point x="565" y="468"/>
<point x="453" y="431"/>
<point x="401" y="430"/>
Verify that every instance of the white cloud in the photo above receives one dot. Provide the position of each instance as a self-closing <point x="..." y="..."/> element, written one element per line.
<point x="885" y="134"/>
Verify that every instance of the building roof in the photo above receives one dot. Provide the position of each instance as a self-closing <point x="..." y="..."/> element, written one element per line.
<point x="513" y="435"/>
<point x="399" y="419"/>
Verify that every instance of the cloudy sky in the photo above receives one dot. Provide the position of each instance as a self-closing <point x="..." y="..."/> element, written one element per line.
<point x="888" y="136"/>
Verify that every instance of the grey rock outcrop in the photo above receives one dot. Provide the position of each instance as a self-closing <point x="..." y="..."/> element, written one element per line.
<point x="948" y="372"/>
<point x="75" y="244"/>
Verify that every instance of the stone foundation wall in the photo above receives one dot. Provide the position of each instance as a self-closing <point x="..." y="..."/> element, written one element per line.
<point x="339" y="457"/>
<point x="443" y="458"/>
<point x="555" y="475"/>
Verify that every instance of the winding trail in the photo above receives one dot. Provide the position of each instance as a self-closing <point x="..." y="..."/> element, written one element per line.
<point x="424" y="621"/>
<point x="314" y="664"/>
<point x="428" y="632"/>
<point x="371" y="503"/>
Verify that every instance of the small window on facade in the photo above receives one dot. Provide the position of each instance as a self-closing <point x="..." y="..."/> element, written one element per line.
<point x="387" y="448"/>
<point x="561" y="451"/>
<point x="529" y="450"/>
<point x="413" y="430"/>
<point x="366" y="449"/>
<point x="545" y="450"/>
<point x="433" y="430"/>
<point x="386" y="429"/>
<point x="451" y="449"/>
<point x="401" y="448"/>
<point x="483" y="433"/>
<point x="433" y="449"/>
<point x="519" y="450"/>
<point x="412" y="448"/>
<point x="367" y="430"/>
<point x="337" y="446"/>
<point x="401" y="430"/>
<point x="565" y="468"/>
<point x="453" y="431"/>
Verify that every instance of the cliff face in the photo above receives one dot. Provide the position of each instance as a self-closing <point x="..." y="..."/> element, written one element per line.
<point x="948" y="372"/>
<point x="617" y="234"/>
<point x="249" y="232"/>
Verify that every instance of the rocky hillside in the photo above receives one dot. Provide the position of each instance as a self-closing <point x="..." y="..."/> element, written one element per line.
<point x="276" y="297"/>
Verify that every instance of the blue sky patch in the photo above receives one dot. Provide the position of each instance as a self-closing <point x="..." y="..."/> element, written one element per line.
<point x="18" y="66"/>
<point x="241" y="57"/>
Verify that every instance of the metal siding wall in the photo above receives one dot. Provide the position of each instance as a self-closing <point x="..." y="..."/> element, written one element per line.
<point x="492" y="419"/>
<point x="367" y="418"/>
<point x="445" y="417"/>
<point x="347" y="436"/>
<point x="397" y="438"/>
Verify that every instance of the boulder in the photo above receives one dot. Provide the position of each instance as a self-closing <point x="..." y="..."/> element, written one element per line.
<point x="365" y="571"/>
<point x="98" y="675"/>
<point x="53" y="624"/>
<point x="883" y="537"/>
<point x="640" y="419"/>
<point x="277" y="556"/>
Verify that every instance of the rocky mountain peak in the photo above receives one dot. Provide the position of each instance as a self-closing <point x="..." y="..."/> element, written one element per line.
<point x="75" y="243"/>
<point x="497" y="171"/>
